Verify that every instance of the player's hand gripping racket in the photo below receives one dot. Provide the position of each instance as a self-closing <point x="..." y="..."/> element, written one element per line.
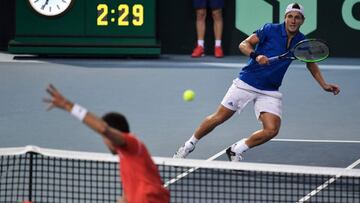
<point x="308" y="50"/>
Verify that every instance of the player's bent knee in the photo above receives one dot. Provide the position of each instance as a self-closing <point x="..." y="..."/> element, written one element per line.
<point x="271" y="132"/>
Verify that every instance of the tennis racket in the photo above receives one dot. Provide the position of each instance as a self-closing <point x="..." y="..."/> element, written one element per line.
<point x="308" y="50"/>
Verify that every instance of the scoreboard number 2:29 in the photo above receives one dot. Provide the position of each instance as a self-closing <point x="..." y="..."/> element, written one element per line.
<point x="124" y="15"/>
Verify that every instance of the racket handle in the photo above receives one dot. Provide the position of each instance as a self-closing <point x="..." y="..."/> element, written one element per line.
<point x="274" y="58"/>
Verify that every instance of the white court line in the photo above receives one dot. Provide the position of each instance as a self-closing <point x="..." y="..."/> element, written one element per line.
<point x="9" y="58"/>
<point x="323" y="141"/>
<point x="4" y="57"/>
<point x="322" y="66"/>
<point x="182" y="175"/>
<point x="327" y="183"/>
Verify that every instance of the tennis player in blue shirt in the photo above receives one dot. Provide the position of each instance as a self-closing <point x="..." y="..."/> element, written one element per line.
<point x="259" y="82"/>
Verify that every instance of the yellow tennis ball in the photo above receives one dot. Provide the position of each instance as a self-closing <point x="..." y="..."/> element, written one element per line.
<point x="189" y="95"/>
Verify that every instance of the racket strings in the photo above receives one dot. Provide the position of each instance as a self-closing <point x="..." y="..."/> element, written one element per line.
<point x="311" y="51"/>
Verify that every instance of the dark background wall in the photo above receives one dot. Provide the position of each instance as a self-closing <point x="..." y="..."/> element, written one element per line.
<point x="7" y="22"/>
<point x="176" y="27"/>
<point x="343" y="40"/>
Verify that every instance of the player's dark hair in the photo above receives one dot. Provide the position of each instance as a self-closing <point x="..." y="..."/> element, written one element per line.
<point x="117" y="121"/>
<point x="296" y="5"/>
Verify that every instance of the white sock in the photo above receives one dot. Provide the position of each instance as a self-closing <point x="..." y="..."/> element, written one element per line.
<point x="218" y="43"/>
<point x="200" y="42"/>
<point x="190" y="144"/>
<point x="239" y="147"/>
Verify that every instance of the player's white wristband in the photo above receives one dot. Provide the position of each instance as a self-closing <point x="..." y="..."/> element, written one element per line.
<point x="78" y="112"/>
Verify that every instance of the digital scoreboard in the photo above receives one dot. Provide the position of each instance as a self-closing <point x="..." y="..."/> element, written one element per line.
<point x="86" y="27"/>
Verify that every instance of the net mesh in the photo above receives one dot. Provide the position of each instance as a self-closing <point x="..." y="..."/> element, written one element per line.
<point x="60" y="176"/>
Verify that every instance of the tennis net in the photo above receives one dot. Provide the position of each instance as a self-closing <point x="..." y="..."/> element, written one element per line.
<point x="50" y="176"/>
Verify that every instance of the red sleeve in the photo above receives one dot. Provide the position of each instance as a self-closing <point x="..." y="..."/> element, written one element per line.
<point x="133" y="145"/>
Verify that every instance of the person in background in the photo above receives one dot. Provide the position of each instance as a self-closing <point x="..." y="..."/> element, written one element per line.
<point x="216" y="7"/>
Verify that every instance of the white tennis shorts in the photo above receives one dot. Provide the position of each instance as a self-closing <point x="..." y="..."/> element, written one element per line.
<point x="240" y="94"/>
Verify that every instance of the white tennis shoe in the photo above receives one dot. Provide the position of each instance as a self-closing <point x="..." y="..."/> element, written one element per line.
<point x="233" y="156"/>
<point x="184" y="151"/>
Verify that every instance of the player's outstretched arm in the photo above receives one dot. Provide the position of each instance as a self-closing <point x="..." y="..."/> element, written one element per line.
<point x="57" y="100"/>
<point x="316" y="73"/>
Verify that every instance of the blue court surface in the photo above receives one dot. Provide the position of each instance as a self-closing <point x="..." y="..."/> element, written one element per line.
<point x="318" y="129"/>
